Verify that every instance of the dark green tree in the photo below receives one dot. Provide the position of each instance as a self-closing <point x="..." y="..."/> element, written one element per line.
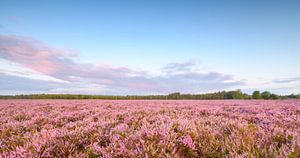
<point x="237" y="94"/>
<point x="266" y="95"/>
<point x="175" y="95"/>
<point x="256" y="95"/>
<point x="274" y="96"/>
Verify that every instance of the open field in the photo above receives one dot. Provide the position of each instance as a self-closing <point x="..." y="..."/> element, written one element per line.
<point x="107" y="128"/>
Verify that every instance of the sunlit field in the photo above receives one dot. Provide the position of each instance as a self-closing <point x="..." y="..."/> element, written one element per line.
<point x="106" y="128"/>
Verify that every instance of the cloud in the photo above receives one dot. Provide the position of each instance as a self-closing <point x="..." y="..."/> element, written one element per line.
<point x="9" y="83"/>
<point x="295" y="89"/>
<point x="280" y="89"/>
<point x="287" y="80"/>
<point x="179" y="67"/>
<point x="21" y="85"/>
<point x="34" y="54"/>
<point x="14" y="69"/>
<point x="56" y="64"/>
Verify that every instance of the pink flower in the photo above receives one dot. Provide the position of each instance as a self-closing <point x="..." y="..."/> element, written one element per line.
<point x="187" y="141"/>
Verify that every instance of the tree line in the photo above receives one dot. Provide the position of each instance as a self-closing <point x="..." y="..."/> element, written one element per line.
<point x="235" y="94"/>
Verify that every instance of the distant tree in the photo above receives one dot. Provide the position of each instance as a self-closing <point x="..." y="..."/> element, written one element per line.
<point x="291" y="96"/>
<point x="247" y="96"/>
<point x="266" y="95"/>
<point x="175" y="95"/>
<point x="229" y="95"/>
<point x="237" y="94"/>
<point x="274" y="96"/>
<point x="256" y="95"/>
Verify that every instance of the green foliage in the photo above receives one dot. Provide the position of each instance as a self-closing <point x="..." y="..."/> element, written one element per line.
<point x="293" y="96"/>
<point x="274" y="96"/>
<point x="266" y="95"/>
<point x="236" y="94"/>
<point x="256" y="95"/>
<point x="175" y="95"/>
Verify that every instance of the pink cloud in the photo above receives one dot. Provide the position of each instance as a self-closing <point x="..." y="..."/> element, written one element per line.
<point x="60" y="64"/>
<point x="30" y="53"/>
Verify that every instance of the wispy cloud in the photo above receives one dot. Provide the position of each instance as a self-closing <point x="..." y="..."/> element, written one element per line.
<point x="14" y="69"/>
<point x="10" y="84"/>
<point x="179" y="67"/>
<point x="287" y="80"/>
<point x="59" y="64"/>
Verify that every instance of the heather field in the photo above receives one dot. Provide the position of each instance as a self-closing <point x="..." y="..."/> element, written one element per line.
<point x="140" y="128"/>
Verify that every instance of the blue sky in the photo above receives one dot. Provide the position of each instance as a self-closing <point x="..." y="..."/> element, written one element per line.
<point x="125" y="47"/>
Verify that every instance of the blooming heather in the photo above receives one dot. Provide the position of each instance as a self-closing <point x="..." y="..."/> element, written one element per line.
<point x="103" y="128"/>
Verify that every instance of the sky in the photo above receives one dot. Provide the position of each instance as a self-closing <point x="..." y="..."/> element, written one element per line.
<point x="149" y="47"/>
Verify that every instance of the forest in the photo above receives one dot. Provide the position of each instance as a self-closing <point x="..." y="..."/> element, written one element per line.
<point x="235" y="94"/>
